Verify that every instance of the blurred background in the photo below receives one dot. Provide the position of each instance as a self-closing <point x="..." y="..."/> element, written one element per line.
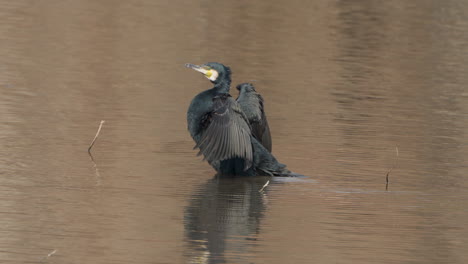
<point x="351" y="88"/>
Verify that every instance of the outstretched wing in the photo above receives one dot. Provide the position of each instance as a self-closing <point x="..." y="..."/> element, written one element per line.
<point x="260" y="127"/>
<point x="226" y="132"/>
<point x="251" y="104"/>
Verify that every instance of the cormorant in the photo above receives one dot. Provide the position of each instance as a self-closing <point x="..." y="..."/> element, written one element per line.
<point x="251" y="104"/>
<point x="222" y="132"/>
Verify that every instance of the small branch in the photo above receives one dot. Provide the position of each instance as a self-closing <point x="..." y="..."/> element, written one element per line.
<point x="51" y="253"/>
<point x="394" y="165"/>
<point x="95" y="137"/>
<point x="266" y="184"/>
<point x="48" y="255"/>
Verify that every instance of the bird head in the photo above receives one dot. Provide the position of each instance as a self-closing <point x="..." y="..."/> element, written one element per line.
<point x="214" y="71"/>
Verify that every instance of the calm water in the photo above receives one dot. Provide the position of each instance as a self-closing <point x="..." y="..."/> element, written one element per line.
<point x="345" y="84"/>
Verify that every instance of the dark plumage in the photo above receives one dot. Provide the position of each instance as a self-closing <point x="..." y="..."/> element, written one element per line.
<point x="251" y="104"/>
<point x="226" y="133"/>
<point x="222" y="130"/>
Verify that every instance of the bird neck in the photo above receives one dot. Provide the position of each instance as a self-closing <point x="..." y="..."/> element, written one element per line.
<point x="223" y="86"/>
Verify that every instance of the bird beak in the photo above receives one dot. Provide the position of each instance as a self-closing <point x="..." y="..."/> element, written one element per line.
<point x="198" y="68"/>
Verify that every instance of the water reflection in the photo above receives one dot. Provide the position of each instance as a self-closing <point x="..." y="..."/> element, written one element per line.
<point x="224" y="216"/>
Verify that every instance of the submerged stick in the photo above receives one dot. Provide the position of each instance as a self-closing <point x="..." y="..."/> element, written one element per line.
<point x="266" y="184"/>
<point x="394" y="165"/>
<point x="96" y="136"/>
<point x="48" y="255"/>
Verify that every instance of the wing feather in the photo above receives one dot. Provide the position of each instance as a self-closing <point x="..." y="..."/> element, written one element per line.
<point x="251" y="104"/>
<point x="227" y="134"/>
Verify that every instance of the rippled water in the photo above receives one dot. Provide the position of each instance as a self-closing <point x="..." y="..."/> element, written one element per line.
<point x="346" y="84"/>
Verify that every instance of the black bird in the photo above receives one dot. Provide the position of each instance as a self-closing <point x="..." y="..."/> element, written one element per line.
<point x="251" y="104"/>
<point x="222" y="132"/>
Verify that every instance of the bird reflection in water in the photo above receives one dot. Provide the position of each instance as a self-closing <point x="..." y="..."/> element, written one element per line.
<point x="222" y="219"/>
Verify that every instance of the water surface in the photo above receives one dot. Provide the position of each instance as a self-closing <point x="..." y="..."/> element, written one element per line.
<point x="345" y="84"/>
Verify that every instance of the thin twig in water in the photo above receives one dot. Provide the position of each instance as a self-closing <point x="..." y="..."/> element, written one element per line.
<point x="394" y="165"/>
<point x="95" y="137"/>
<point x="266" y="184"/>
<point x="48" y="255"/>
<point x="96" y="170"/>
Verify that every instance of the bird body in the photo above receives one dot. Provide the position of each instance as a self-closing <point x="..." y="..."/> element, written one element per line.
<point x="222" y="130"/>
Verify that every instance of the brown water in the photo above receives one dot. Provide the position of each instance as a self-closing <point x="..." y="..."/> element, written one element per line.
<point x="345" y="84"/>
